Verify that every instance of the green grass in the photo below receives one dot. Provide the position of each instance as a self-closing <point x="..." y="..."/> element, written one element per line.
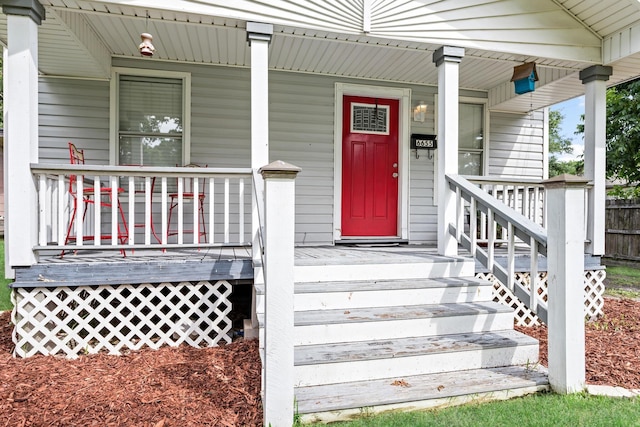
<point x="5" y="292"/>
<point x="624" y="282"/>
<point x="538" y="410"/>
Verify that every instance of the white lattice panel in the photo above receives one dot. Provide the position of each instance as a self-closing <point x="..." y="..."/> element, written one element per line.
<point x="593" y="295"/>
<point x="71" y="321"/>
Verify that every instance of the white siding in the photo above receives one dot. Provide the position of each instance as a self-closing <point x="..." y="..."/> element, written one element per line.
<point x="301" y="132"/>
<point x="517" y="145"/>
<point x="74" y="111"/>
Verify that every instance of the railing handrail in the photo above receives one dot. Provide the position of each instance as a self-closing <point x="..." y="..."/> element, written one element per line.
<point x="142" y="171"/>
<point x="525" y="228"/>
<point x="502" y="181"/>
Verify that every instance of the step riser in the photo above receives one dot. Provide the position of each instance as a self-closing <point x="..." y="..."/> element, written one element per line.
<point x="396" y="368"/>
<point x="386" y="298"/>
<point x="334" y="273"/>
<point x="380" y="330"/>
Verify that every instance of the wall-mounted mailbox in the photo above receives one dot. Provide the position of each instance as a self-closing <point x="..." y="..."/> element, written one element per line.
<point x="426" y="141"/>
<point x="422" y="141"/>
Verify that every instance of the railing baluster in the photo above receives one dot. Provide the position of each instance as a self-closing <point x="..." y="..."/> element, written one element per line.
<point x="212" y="194"/>
<point x="525" y="202"/>
<point x="147" y="211"/>
<point x="241" y="210"/>
<point x="80" y="210"/>
<point x="132" y="209"/>
<point x="491" y="239"/>
<point x="114" y="209"/>
<point x="163" y="210"/>
<point x="226" y="210"/>
<point x="459" y="214"/>
<point x="180" y="210"/>
<point x="97" y="218"/>
<point x="63" y="204"/>
<point x="533" y="276"/>
<point x="511" y="255"/>
<point x="42" y="209"/>
<point x="473" y="226"/>
<point x="195" y="188"/>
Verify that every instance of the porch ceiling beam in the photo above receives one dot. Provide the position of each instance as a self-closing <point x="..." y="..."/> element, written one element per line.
<point x="86" y="39"/>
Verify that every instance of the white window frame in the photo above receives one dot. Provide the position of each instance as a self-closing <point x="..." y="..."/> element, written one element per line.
<point x="485" y="130"/>
<point x="485" y="141"/>
<point x="115" y="102"/>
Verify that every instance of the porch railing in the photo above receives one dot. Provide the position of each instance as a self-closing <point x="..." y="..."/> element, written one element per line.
<point x="146" y="196"/>
<point x="517" y="229"/>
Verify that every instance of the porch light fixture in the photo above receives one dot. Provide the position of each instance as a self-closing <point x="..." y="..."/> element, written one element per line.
<point x="525" y="77"/>
<point x="420" y="112"/>
<point x="146" y="47"/>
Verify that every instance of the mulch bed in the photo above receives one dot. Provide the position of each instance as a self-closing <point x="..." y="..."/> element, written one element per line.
<point x="612" y="345"/>
<point x="221" y="386"/>
<point x="169" y="387"/>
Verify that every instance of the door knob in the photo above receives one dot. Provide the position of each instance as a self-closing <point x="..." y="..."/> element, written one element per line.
<point x="395" y="174"/>
<point x="395" y="165"/>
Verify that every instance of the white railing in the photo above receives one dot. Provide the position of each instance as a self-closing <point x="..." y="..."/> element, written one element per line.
<point x="153" y="207"/>
<point x="472" y="202"/>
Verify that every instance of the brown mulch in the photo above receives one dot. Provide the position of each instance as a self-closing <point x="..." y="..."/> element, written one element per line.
<point x="612" y="345"/>
<point x="221" y="386"/>
<point x="169" y="387"/>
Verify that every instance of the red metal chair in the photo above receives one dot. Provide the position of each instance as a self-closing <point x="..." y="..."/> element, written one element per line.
<point x="189" y="194"/>
<point x="89" y="198"/>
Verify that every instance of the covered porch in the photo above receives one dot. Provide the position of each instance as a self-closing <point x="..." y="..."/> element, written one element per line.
<point x="257" y="85"/>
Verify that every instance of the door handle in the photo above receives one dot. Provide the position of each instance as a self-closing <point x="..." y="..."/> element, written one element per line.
<point x="395" y="174"/>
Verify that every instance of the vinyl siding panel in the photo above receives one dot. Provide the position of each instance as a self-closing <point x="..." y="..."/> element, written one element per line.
<point x="516" y="148"/>
<point x="75" y="111"/>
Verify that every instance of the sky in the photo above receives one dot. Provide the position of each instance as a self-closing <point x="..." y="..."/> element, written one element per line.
<point x="571" y="110"/>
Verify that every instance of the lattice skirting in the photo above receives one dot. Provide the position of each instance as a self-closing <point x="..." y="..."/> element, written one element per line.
<point x="593" y="295"/>
<point x="89" y="319"/>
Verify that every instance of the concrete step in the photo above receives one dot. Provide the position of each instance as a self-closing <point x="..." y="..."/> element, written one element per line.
<point x="334" y="402"/>
<point x="393" y="267"/>
<point x="387" y="293"/>
<point x="379" y="323"/>
<point x="369" y="360"/>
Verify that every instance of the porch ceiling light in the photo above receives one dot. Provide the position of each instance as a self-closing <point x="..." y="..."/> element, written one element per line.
<point x="420" y="112"/>
<point x="146" y="47"/>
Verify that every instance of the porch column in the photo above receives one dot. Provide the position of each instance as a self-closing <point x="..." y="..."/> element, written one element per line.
<point x="259" y="37"/>
<point x="594" y="79"/>
<point x="21" y="130"/>
<point x="278" y="375"/>
<point x="447" y="59"/>
<point x="565" y="269"/>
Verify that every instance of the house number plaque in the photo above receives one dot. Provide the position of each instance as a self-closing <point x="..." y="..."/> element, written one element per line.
<point x="427" y="141"/>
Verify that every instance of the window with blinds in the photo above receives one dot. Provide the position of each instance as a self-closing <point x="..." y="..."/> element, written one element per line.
<point x="150" y="121"/>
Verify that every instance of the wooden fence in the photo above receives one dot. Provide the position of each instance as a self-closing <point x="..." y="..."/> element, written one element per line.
<point x="622" y="239"/>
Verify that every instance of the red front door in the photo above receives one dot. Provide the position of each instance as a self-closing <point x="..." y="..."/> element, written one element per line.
<point x="369" y="167"/>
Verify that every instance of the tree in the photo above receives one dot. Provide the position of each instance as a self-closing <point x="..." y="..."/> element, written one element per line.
<point x="623" y="132"/>
<point x="559" y="145"/>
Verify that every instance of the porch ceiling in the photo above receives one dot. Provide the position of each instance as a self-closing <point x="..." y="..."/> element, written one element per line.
<point x="78" y="38"/>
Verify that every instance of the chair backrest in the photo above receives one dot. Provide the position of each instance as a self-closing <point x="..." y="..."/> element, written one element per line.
<point x="76" y="157"/>
<point x="188" y="182"/>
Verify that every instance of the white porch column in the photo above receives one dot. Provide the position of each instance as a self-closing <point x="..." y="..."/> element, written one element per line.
<point x="594" y="79"/>
<point x="259" y="37"/>
<point x="21" y="130"/>
<point x="565" y="264"/>
<point x="447" y="59"/>
<point x="279" y="178"/>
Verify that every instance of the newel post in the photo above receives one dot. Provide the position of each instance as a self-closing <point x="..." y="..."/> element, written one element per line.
<point x="279" y="179"/>
<point x="565" y="271"/>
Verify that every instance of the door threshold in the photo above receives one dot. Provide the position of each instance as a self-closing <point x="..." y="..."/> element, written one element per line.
<point x="372" y="241"/>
